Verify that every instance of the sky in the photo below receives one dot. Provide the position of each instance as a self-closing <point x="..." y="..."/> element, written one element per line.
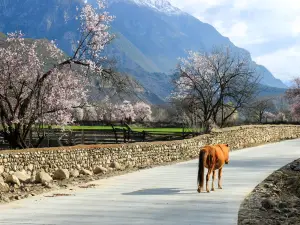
<point x="268" y="29"/>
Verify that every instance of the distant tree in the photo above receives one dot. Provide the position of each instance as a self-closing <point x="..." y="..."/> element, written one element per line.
<point x="225" y="116"/>
<point x="165" y="113"/>
<point x="215" y="83"/>
<point x="90" y="114"/>
<point x="269" y="116"/>
<point x="281" y="117"/>
<point x="31" y="96"/>
<point x="185" y="114"/>
<point x="78" y="114"/>
<point x="293" y="97"/>
<point x="125" y="112"/>
<point x="159" y="114"/>
<point x="256" y="110"/>
<point x="107" y="109"/>
<point x="142" y="111"/>
<point x="102" y="110"/>
<point x="295" y="110"/>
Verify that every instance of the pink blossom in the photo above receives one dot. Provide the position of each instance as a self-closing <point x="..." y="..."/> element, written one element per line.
<point x="293" y="96"/>
<point x="269" y="115"/>
<point x="142" y="111"/>
<point x="51" y="100"/>
<point x="78" y="114"/>
<point x="281" y="116"/>
<point x="29" y="94"/>
<point x="125" y="111"/>
<point x="295" y="110"/>
<point x="107" y="109"/>
<point x="94" y="36"/>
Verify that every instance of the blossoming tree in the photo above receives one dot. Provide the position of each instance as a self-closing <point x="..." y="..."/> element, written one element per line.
<point x="31" y="96"/>
<point x="281" y="117"/>
<point x="105" y="110"/>
<point x="142" y="111"/>
<point x="91" y="114"/>
<point x="269" y="116"/>
<point x="215" y="83"/>
<point x="293" y="97"/>
<point x="125" y="112"/>
<point x="78" y="114"/>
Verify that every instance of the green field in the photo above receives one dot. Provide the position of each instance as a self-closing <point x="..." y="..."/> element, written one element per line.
<point x="140" y="129"/>
<point x="163" y="130"/>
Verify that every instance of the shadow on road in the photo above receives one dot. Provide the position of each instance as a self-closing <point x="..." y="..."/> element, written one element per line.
<point x="254" y="162"/>
<point x="159" y="191"/>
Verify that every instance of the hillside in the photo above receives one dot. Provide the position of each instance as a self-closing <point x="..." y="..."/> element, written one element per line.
<point x="151" y="35"/>
<point x="134" y="90"/>
<point x="2" y="36"/>
<point x="267" y="91"/>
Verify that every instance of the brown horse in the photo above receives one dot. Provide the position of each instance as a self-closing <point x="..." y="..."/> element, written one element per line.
<point x="212" y="157"/>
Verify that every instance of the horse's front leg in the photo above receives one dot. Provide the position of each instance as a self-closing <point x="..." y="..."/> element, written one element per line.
<point x="219" y="178"/>
<point x="207" y="178"/>
<point x="213" y="180"/>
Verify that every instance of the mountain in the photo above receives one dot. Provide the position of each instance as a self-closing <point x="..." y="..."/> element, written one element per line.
<point x="134" y="91"/>
<point x="159" y="5"/>
<point x="163" y="33"/>
<point x="267" y="91"/>
<point x="151" y="35"/>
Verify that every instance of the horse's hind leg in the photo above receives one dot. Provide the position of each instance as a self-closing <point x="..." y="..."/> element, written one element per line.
<point x="207" y="179"/>
<point x="219" y="178"/>
<point x="213" y="180"/>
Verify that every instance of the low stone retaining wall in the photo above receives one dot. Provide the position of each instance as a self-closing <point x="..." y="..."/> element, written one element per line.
<point x="139" y="154"/>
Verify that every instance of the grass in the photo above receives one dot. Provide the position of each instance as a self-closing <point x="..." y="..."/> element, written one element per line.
<point x="88" y="127"/>
<point x="163" y="130"/>
<point x="140" y="129"/>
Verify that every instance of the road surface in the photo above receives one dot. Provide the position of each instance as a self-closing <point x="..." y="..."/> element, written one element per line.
<point x="163" y="195"/>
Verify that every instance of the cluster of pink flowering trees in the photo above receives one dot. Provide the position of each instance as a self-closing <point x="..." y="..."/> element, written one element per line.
<point x="142" y="111"/>
<point x="107" y="111"/>
<point x="30" y="95"/>
<point x="214" y="86"/>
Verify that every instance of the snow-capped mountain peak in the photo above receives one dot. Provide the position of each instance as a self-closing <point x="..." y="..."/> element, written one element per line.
<point x="159" y="5"/>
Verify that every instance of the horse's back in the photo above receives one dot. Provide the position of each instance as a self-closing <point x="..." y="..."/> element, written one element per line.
<point x="214" y="155"/>
<point x="209" y="155"/>
<point x="208" y="149"/>
<point x="221" y="154"/>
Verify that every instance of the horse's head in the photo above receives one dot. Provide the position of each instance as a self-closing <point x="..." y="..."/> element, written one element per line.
<point x="226" y="150"/>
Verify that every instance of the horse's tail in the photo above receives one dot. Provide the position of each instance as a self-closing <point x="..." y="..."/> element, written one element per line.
<point x="200" y="177"/>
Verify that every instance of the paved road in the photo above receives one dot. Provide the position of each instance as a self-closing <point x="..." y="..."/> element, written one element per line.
<point x="162" y="195"/>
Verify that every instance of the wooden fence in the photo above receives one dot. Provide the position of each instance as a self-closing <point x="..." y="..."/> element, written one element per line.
<point x="58" y="137"/>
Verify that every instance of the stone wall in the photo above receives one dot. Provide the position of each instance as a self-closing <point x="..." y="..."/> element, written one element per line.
<point x="140" y="154"/>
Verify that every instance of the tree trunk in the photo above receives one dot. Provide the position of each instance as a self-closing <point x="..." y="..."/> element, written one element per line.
<point x="222" y="112"/>
<point x="14" y="139"/>
<point x="260" y="117"/>
<point x="206" y="126"/>
<point x="39" y="141"/>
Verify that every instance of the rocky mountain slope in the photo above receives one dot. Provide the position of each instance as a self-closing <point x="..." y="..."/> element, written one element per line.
<point x="151" y="35"/>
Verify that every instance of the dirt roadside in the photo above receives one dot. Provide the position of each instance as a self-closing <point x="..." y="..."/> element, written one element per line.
<point x="276" y="200"/>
